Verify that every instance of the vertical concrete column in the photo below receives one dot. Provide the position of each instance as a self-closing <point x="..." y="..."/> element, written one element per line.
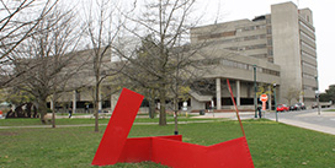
<point x="74" y="102"/>
<point x="218" y="93"/>
<point x="238" y="93"/>
<point x="270" y="97"/>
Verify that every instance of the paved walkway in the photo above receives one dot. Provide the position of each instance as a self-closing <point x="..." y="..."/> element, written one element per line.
<point x="325" y="122"/>
<point x="308" y="119"/>
<point x="91" y="125"/>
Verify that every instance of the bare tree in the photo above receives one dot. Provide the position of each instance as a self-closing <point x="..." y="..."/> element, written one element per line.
<point x="18" y="21"/>
<point x="101" y="31"/>
<point x="45" y="56"/>
<point x="164" y="61"/>
<point x="292" y="93"/>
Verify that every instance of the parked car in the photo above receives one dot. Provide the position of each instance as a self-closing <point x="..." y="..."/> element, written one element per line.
<point x="297" y="106"/>
<point x="282" y="108"/>
<point x="301" y="106"/>
<point x="294" y="107"/>
<point x="322" y="104"/>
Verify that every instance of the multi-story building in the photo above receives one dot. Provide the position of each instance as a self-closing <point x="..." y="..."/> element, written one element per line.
<point x="277" y="48"/>
<point x="281" y="45"/>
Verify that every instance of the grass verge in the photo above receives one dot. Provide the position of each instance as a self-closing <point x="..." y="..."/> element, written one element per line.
<point x="271" y="144"/>
<point x="329" y="110"/>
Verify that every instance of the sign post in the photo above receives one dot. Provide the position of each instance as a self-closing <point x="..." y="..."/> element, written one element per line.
<point x="264" y="98"/>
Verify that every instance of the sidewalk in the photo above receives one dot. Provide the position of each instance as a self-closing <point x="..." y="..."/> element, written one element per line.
<point x="308" y="120"/>
<point x="228" y="115"/>
<point x="325" y="122"/>
<point x="91" y="125"/>
<point x="319" y="128"/>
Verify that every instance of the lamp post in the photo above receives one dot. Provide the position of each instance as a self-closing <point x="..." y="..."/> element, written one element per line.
<point x="255" y="90"/>
<point x="275" y="99"/>
<point x="317" y="94"/>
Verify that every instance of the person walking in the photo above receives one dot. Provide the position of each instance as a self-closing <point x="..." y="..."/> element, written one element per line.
<point x="259" y="108"/>
<point x="70" y="112"/>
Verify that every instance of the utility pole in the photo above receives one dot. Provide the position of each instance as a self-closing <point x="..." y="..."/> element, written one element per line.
<point x="255" y="90"/>
<point x="317" y="94"/>
<point x="275" y="97"/>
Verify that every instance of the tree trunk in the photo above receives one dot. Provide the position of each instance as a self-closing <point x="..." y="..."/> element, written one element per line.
<point x="54" y="110"/>
<point x="162" y="113"/>
<point x="96" y="108"/>
<point x="151" y="106"/>
<point x="53" y="115"/>
<point x="175" y="116"/>
<point x="42" y="108"/>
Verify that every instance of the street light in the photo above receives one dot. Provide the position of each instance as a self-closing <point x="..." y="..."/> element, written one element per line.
<point x="255" y="89"/>
<point x="274" y="96"/>
<point x="317" y="94"/>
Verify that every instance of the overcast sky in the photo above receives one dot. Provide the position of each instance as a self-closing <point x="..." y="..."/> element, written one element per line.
<point x="322" y="14"/>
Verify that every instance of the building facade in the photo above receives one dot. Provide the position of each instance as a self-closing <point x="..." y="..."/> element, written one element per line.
<point x="273" y="53"/>
<point x="283" y="43"/>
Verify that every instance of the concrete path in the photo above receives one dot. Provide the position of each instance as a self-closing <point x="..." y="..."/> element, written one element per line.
<point x="308" y="119"/>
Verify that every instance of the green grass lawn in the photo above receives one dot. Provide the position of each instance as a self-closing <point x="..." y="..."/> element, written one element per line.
<point x="272" y="145"/>
<point x="329" y="110"/>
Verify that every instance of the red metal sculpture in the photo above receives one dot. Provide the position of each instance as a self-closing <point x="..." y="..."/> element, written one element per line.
<point x="167" y="150"/>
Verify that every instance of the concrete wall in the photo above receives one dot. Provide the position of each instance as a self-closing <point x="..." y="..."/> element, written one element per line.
<point x="286" y="47"/>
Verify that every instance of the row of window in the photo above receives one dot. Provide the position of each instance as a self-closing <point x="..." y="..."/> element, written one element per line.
<point x="308" y="65"/>
<point x="250" y="28"/>
<point x="303" y="44"/>
<point x="241" y="39"/>
<point x="308" y="76"/>
<point x="302" y="33"/>
<point x="251" y="47"/>
<point x="306" y="88"/>
<point x="306" y="26"/>
<point x="307" y="55"/>
<point x="217" y="35"/>
<point x="259" y="55"/>
<point x="238" y="65"/>
<point x="233" y="33"/>
<point x="271" y="72"/>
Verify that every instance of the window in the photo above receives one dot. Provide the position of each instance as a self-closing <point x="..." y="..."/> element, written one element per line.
<point x="269" y="30"/>
<point x="270" y="51"/>
<point x="269" y="41"/>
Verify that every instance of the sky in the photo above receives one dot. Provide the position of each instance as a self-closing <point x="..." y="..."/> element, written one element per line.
<point x="230" y="10"/>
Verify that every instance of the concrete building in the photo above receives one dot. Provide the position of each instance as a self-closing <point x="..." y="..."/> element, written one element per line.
<point x="281" y="45"/>
<point x="277" y="48"/>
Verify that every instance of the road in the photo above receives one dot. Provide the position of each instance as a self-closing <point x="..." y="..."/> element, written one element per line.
<point x="309" y="119"/>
